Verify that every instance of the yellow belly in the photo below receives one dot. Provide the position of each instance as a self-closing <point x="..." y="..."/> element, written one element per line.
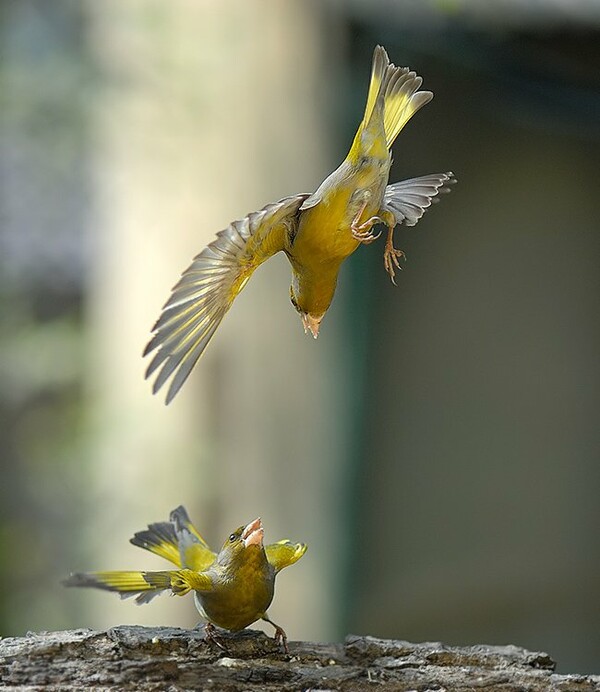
<point x="324" y="237"/>
<point x="323" y="241"/>
<point x="324" y="234"/>
<point x="237" y="606"/>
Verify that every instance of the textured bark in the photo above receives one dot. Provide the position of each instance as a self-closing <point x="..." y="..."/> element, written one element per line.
<point x="145" y="658"/>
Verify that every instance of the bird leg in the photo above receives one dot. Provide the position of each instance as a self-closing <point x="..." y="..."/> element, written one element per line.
<point x="211" y="636"/>
<point x="391" y="255"/>
<point x="362" y="232"/>
<point x="280" y="635"/>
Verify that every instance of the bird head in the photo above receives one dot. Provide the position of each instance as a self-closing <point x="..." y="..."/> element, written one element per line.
<point x="243" y="542"/>
<point x="310" y="322"/>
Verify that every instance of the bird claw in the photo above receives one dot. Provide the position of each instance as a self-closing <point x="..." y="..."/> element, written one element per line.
<point x="390" y="260"/>
<point x="211" y="636"/>
<point x="280" y="637"/>
<point x="366" y="237"/>
<point x="363" y="233"/>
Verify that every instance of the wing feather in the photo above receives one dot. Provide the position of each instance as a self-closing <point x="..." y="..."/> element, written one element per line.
<point x="126" y="584"/>
<point x="159" y="538"/>
<point x="178" y="541"/>
<point x="193" y="549"/>
<point x="207" y="288"/>
<point x="284" y="553"/>
<point x="408" y="200"/>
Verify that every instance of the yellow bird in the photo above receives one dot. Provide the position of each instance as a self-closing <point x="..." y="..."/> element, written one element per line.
<point x="231" y="590"/>
<point x="316" y="231"/>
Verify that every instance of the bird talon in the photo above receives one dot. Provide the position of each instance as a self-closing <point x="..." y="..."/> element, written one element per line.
<point x="211" y="636"/>
<point x="366" y="237"/>
<point x="362" y="232"/>
<point x="390" y="259"/>
<point x="280" y="637"/>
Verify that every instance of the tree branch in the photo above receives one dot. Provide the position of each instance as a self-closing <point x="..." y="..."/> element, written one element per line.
<point x="145" y="658"/>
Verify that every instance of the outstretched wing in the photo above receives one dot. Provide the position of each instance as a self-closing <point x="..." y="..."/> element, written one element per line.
<point x="408" y="200"/>
<point x="126" y="584"/>
<point x="176" y="540"/>
<point x="193" y="549"/>
<point x="284" y="553"/>
<point x="143" y="585"/>
<point x="208" y="287"/>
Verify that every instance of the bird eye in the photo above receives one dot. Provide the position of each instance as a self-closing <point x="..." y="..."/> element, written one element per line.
<point x="232" y="537"/>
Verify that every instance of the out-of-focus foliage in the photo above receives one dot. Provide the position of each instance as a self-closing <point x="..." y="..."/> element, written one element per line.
<point x="43" y="186"/>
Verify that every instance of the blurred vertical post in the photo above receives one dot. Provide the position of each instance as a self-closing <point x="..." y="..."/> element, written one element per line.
<point x="205" y="112"/>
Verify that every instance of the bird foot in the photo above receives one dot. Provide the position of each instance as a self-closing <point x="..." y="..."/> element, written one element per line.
<point x="280" y="637"/>
<point x="391" y="260"/>
<point x="363" y="232"/>
<point x="211" y="636"/>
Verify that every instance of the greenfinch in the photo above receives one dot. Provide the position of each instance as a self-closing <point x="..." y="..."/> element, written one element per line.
<point x="317" y="232"/>
<point x="232" y="589"/>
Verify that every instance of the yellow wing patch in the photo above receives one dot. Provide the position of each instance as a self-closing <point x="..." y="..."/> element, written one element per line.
<point x="144" y="585"/>
<point x="159" y="538"/>
<point x="193" y="549"/>
<point x="284" y="553"/>
<point x="177" y="541"/>
<point x="126" y="584"/>
<point x="208" y="287"/>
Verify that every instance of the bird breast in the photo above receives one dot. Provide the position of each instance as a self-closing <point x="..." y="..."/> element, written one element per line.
<point x="238" y="603"/>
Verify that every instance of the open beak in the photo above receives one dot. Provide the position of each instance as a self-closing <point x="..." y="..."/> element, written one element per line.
<point x="253" y="533"/>
<point x="311" y="324"/>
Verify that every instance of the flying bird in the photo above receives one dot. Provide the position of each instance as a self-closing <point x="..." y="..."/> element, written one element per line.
<point x="317" y="232"/>
<point x="232" y="589"/>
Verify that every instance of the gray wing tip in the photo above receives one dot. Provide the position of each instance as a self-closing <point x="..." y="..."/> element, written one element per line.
<point x="148" y="348"/>
<point x="173" y="390"/>
<point x="155" y="534"/>
<point x="446" y="183"/>
<point x="179" y="517"/>
<point x="421" y="98"/>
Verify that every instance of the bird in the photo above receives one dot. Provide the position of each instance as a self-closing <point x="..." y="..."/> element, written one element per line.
<point x="316" y="231"/>
<point x="232" y="589"/>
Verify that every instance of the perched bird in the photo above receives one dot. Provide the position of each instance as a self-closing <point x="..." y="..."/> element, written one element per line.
<point x="231" y="590"/>
<point x="316" y="231"/>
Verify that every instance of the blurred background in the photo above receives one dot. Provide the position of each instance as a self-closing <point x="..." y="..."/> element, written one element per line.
<point x="438" y="446"/>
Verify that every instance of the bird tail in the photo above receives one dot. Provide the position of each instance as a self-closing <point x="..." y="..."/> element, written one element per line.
<point x="395" y="90"/>
<point x="143" y="585"/>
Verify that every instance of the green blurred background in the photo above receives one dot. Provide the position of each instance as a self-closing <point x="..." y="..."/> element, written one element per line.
<point x="438" y="446"/>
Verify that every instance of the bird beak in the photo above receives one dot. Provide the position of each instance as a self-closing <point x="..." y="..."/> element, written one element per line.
<point x="311" y="324"/>
<point x="253" y="533"/>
